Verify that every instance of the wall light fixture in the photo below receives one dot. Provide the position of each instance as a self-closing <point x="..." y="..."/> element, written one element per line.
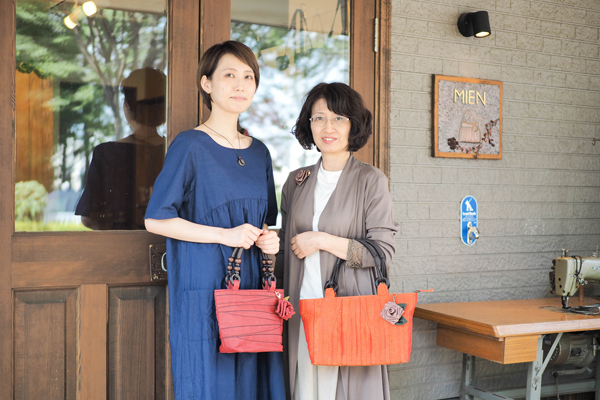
<point x="474" y="24"/>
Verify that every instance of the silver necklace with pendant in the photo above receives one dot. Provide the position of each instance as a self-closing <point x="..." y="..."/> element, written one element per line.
<point x="240" y="160"/>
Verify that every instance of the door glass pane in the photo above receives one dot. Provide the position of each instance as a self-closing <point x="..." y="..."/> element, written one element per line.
<point x="299" y="44"/>
<point x="90" y="114"/>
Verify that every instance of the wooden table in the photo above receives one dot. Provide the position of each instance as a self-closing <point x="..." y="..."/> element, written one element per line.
<point x="508" y="332"/>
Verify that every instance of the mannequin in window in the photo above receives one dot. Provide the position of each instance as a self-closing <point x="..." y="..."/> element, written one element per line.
<point x="122" y="173"/>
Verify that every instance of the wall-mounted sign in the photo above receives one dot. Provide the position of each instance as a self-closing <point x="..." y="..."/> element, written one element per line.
<point x="467" y="118"/>
<point x="469" y="233"/>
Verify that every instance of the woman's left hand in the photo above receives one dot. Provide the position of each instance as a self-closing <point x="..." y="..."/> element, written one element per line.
<point x="268" y="242"/>
<point x="304" y="244"/>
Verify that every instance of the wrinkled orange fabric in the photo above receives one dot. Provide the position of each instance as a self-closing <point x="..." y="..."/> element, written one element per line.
<point x="350" y="331"/>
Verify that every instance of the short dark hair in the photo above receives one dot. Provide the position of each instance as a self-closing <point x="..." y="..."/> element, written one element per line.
<point x="144" y="91"/>
<point x="342" y="100"/>
<point x="212" y="56"/>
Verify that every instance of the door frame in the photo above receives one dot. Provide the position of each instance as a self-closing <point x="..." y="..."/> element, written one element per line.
<point x="383" y="82"/>
<point x="27" y="253"/>
<point x="370" y="74"/>
<point x="7" y="189"/>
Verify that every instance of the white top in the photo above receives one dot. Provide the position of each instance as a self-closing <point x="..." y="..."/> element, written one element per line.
<point x="312" y="287"/>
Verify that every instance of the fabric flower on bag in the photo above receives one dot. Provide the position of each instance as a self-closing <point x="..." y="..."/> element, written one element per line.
<point x="392" y="312"/>
<point x="301" y="176"/>
<point x="284" y="308"/>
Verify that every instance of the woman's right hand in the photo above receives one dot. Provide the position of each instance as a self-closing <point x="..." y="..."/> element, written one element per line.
<point x="241" y="236"/>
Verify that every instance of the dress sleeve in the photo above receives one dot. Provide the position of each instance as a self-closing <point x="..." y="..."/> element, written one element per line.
<point x="379" y="221"/>
<point x="174" y="183"/>
<point x="272" y="198"/>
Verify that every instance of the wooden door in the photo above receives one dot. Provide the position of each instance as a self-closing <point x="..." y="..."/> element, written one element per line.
<point x="79" y="317"/>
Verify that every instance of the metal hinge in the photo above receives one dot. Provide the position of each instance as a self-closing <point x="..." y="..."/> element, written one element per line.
<point x="376" y="44"/>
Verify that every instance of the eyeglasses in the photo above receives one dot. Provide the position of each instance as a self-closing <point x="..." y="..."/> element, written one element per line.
<point x="335" y="121"/>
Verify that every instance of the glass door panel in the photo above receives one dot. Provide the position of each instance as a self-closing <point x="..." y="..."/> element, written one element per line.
<point x="298" y="45"/>
<point x="90" y="115"/>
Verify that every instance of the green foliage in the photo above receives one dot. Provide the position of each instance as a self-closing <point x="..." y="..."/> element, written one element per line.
<point x="44" y="44"/>
<point x="39" y="226"/>
<point x="30" y="199"/>
<point x="28" y="67"/>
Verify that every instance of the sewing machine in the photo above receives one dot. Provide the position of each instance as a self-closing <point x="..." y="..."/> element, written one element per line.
<point x="571" y="272"/>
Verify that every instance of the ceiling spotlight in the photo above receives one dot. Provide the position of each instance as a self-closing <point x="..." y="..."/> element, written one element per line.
<point x="69" y="22"/>
<point x="72" y="19"/>
<point x="474" y="24"/>
<point x="89" y="8"/>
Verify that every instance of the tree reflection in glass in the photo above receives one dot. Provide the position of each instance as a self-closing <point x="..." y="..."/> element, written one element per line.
<point x="68" y="97"/>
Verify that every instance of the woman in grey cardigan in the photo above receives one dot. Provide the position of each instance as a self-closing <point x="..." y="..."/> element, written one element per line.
<point x="324" y="207"/>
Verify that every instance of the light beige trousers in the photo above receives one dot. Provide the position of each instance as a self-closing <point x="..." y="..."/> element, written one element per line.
<point x="313" y="382"/>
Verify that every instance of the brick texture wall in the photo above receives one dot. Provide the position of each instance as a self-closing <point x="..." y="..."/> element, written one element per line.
<point x="542" y="196"/>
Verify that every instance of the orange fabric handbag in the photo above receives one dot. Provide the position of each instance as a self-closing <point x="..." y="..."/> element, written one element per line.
<point x="250" y="321"/>
<point x="359" y="330"/>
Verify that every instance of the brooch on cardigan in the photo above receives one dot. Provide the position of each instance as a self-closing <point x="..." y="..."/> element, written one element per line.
<point x="301" y="176"/>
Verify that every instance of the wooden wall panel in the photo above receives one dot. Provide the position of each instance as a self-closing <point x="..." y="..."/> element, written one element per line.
<point x="45" y="351"/>
<point x="34" y="129"/>
<point x="137" y="343"/>
<point x="81" y="258"/>
<point x="36" y="125"/>
<point x="47" y="135"/>
<point x="22" y="125"/>
<point x="93" y="317"/>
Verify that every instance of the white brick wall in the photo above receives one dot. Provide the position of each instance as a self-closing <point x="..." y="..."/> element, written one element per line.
<point x="542" y="196"/>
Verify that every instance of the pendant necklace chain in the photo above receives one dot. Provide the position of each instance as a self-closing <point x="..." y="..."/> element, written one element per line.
<point x="240" y="160"/>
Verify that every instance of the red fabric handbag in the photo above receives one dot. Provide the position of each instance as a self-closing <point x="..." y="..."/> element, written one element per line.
<point x="359" y="330"/>
<point x="250" y="321"/>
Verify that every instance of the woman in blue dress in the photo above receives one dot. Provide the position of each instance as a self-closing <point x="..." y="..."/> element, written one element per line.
<point x="216" y="192"/>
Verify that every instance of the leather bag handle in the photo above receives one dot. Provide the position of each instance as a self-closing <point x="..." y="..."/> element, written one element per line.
<point x="378" y="255"/>
<point x="380" y="268"/>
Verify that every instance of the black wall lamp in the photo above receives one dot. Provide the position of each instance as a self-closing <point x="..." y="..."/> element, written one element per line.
<point x="474" y="24"/>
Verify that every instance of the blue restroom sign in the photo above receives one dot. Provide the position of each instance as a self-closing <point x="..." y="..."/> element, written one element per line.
<point x="468" y="219"/>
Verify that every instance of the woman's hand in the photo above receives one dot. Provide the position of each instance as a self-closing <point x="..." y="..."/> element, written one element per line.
<point x="268" y="242"/>
<point x="304" y="244"/>
<point x="241" y="236"/>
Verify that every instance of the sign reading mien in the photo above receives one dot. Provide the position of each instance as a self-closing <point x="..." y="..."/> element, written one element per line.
<point x="467" y="118"/>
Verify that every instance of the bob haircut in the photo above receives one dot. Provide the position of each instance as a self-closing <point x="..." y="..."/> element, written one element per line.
<point x="342" y="100"/>
<point x="144" y="90"/>
<point x="212" y="56"/>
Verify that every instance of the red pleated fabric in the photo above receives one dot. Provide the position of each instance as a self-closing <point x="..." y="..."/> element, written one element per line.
<point x="247" y="320"/>
<point x="349" y="331"/>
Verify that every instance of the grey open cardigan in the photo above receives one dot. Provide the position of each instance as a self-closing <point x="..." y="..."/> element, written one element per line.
<point x="360" y="206"/>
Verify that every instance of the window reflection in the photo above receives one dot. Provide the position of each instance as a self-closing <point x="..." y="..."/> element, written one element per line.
<point x="122" y="173"/>
<point x="75" y="126"/>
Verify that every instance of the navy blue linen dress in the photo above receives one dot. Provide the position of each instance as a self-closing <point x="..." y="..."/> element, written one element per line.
<point x="202" y="182"/>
